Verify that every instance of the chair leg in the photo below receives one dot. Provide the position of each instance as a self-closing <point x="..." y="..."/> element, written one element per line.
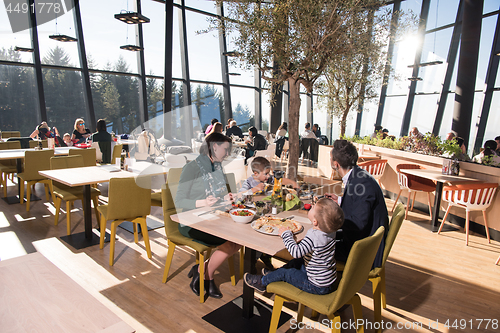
<point x="430" y="206"/>
<point x="136" y="237"/>
<point x="396" y="201"/>
<point x="96" y="203"/>
<point x="57" y="202"/>
<point x="377" y="300"/>
<point x="202" y="278"/>
<point x="28" y="195"/>
<point x="46" y="187"/>
<point x="444" y="218"/>
<point x="114" y="224"/>
<point x="242" y="262"/>
<point x="145" y="235"/>
<point x="413" y="201"/>
<point x="486" y="226"/>
<point x="102" y="232"/>
<point x="382" y="288"/>
<point x="170" y="256"/>
<point x="407" y="205"/>
<point x="300" y="312"/>
<point x="275" y="318"/>
<point x="4" y="179"/>
<point x="230" y="261"/>
<point x="467" y="227"/>
<point x="68" y="217"/>
<point x="358" y="312"/>
<point x="498" y="261"/>
<point x="21" y="193"/>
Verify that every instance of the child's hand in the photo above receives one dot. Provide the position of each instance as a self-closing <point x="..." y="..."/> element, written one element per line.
<point x="281" y="230"/>
<point x="259" y="187"/>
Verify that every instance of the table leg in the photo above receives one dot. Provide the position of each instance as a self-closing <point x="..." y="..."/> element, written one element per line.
<point x="437" y="205"/>
<point x="87" y="212"/>
<point x="248" y="293"/>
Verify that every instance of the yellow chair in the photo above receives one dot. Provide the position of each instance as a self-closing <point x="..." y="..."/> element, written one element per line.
<point x="355" y="274"/>
<point x="174" y="237"/>
<point x="377" y="274"/>
<point x="11" y="134"/>
<point x="127" y="202"/>
<point x="34" y="143"/>
<point x="89" y="155"/>
<point x="8" y="167"/>
<point x="117" y="153"/>
<point x="35" y="161"/>
<point x="69" y="194"/>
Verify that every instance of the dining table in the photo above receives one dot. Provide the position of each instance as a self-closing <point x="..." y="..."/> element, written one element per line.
<point x="440" y="179"/>
<point x="87" y="176"/>
<point x="245" y="313"/>
<point x="18" y="155"/>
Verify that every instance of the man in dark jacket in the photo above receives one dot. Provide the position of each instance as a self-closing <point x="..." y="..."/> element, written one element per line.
<point x="234" y="130"/>
<point x="363" y="202"/>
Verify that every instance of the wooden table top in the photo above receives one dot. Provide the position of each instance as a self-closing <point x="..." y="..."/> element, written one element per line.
<point x="37" y="296"/>
<point x="9" y="154"/>
<point x="101" y="174"/>
<point x="436" y="175"/>
<point x="239" y="233"/>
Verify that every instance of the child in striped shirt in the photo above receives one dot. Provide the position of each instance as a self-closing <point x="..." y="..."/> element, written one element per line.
<point x="313" y="267"/>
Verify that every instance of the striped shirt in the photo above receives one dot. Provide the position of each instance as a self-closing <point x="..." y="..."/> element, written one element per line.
<point x="318" y="250"/>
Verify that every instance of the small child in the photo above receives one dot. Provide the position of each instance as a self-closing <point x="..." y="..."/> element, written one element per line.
<point x="261" y="168"/>
<point x="67" y="139"/>
<point x="313" y="269"/>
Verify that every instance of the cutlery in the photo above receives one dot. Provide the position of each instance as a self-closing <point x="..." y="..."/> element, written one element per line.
<point x="287" y="218"/>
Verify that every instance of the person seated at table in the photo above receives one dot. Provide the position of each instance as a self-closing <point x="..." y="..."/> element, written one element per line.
<point x="415" y="134"/>
<point x="376" y="132"/>
<point x="234" y="130"/>
<point x="488" y="156"/>
<point x="43" y="132"/>
<point x="212" y="123"/>
<point x="450" y="136"/>
<point x="80" y="133"/>
<point x="102" y="136"/>
<point x="463" y="150"/>
<point x="228" y="125"/>
<point x="497" y="140"/>
<point x="254" y="142"/>
<point x="202" y="184"/>
<point x="307" y="133"/>
<point x="363" y="202"/>
<point x="67" y="140"/>
<point x="261" y="168"/>
<point x="217" y="128"/>
<point x="280" y="138"/>
<point x="313" y="268"/>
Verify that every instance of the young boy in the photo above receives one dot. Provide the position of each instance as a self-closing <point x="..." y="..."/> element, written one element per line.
<point x="313" y="269"/>
<point x="261" y="168"/>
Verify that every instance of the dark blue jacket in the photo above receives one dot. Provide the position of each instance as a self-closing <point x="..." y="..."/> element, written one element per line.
<point x="364" y="212"/>
<point x="235" y="130"/>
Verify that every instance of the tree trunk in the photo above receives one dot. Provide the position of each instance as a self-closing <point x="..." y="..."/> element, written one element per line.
<point x="343" y="123"/>
<point x="293" y="128"/>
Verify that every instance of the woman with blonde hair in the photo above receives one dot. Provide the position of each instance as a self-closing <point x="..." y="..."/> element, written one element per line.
<point x="80" y="133"/>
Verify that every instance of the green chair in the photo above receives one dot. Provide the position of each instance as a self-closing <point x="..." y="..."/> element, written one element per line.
<point x="174" y="237"/>
<point x="11" y="134"/>
<point x="355" y="274"/>
<point x="377" y="274"/>
<point x="89" y="155"/>
<point x="117" y="153"/>
<point x="8" y="167"/>
<point x="127" y="202"/>
<point x="35" y="161"/>
<point x="67" y="193"/>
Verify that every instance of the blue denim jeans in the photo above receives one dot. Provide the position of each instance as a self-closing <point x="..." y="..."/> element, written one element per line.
<point x="294" y="273"/>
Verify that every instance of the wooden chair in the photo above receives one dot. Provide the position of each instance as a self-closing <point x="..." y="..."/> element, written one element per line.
<point x="127" y="202"/>
<point x="117" y="153"/>
<point x="69" y="194"/>
<point x="11" y="134"/>
<point x="355" y="274"/>
<point x="35" y="161"/>
<point x="377" y="274"/>
<point x="375" y="168"/>
<point x="8" y="167"/>
<point x="472" y="197"/>
<point x="175" y="238"/>
<point x="413" y="184"/>
<point x="34" y="143"/>
<point x="89" y="155"/>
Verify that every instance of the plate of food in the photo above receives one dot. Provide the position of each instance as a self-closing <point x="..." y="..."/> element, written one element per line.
<point x="242" y="215"/>
<point x="270" y="225"/>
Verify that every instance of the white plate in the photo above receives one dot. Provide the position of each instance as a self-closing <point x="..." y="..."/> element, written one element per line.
<point x="275" y="230"/>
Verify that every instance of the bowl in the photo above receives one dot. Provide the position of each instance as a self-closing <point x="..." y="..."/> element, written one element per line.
<point x="242" y="219"/>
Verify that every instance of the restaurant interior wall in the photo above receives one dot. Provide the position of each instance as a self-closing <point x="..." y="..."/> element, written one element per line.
<point x="104" y="34"/>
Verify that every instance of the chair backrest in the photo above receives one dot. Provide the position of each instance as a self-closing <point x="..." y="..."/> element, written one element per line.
<point x="127" y="199"/>
<point x="98" y="154"/>
<point x="35" y="161"/>
<point x="10" y="134"/>
<point x="168" y="194"/>
<point x="375" y="168"/>
<point x="66" y="162"/>
<point x="396" y="221"/>
<point x="474" y="196"/>
<point x="10" y="145"/>
<point x="231" y="183"/>
<point x="89" y="155"/>
<point x="117" y="152"/>
<point x="357" y="268"/>
<point x="105" y="149"/>
<point x="25" y="141"/>
<point x="34" y="144"/>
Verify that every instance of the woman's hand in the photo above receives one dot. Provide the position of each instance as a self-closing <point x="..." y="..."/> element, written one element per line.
<point x="229" y="197"/>
<point x="209" y="201"/>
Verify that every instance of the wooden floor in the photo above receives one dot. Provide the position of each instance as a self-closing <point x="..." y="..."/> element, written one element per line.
<point x="430" y="278"/>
